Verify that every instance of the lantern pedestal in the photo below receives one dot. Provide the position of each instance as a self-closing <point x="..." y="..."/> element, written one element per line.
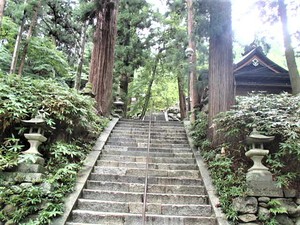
<point x="34" y="140"/>
<point x="259" y="179"/>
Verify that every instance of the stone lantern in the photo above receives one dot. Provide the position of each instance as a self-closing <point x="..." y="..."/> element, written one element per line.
<point x="118" y="107"/>
<point x="189" y="52"/>
<point x="36" y="133"/>
<point x="88" y="90"/>
<point x="259" y="178"/>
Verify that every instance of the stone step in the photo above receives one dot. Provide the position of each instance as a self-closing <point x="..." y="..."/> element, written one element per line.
<point x="132" y="158"/>
<point x="151" y="208"/>
<point x="154" y="131"/>
<point x="142" y="165"/>
<point x="153" y="128"/>
<point x="86" y="217"/>
<point x="145" y="140"/>
<point x="119" y="196"/>
<point x="144" y="149"/>
<point x="123" y="171"/>
<point x="153" y="123"/>
<point x="141" y="180"/>
<point x="144" y="144"/>
<point x="139" y="187"/>
<point x="153" y="137"/>
<point x="151" y="154"/>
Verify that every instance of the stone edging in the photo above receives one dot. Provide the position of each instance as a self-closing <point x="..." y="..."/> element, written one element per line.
<point x="213" y="198"/>
<point x="84" y="173"/>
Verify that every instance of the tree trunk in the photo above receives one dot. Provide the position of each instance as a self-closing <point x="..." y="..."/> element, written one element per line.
<point x="221" y="81"/>
<point x="124" y="83"/>
<point x="101" y="71"/>
<point x="182" y="102"/>
<point x="17" y="45"/>
<point x="126" y="77"/>
<point x="148" y="94"/>
<point x="289" y="51"/>
<point x="2" y="5"/>
<point x="77" y="83"/>
<point x="29" y="35"/>
<point x="194" y="97"/>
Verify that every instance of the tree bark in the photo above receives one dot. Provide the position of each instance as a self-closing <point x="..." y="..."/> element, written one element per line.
<point x="289" y="51"/>
<point x="14" y="60"/>
<point x="29" y="35"/>
<point x="77" y="83"/>
<point x="148" y="94"/>
<point x="182" y="102"/>
<point x="2" y="5"/>
<point x="124" y="83"/>
<point x="193" y="76"/>
<point x="101" y="71"/>
<point x="221" y="81"/>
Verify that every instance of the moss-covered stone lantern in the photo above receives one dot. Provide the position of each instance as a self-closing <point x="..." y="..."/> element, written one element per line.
<point x="259" y="178"/>
<point x="36" y="133"/>
<point x="118" y="105"/>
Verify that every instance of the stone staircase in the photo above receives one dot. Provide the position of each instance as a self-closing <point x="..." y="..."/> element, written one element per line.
<point x="114" y="192"/>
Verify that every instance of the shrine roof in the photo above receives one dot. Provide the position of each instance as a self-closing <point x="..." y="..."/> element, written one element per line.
<point x="256" y="61"/>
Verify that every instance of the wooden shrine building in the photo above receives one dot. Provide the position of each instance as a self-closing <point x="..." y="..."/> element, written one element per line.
<point x="255" y="72"/>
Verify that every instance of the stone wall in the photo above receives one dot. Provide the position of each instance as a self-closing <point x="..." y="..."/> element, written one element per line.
<point x="259" y="210"/>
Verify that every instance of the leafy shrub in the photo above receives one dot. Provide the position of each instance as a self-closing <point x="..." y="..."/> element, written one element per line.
<point x="66" y="109"/>
<point x="276" y="115"/>
<point x="75" y="124"/>
<point x="228" y="180"/>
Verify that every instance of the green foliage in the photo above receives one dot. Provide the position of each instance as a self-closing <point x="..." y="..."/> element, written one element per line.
<point x="199" y="130"/>
<point x="25" y="200"/>
<point x="66" y="109"/>
<point x="164" y="92"/>
<point x="275" y="207"/>
<point x="9" y="152"/>
<point x="276" y="115"/>
<point x="72" y="117"/>
<point x="45" y="60"/>
<point x="272" y="221"/>
<point x="229" y="181"/>
<point x="62" y="172"/>
<point x="63" y="154"/>
<point x="62" y="25"/>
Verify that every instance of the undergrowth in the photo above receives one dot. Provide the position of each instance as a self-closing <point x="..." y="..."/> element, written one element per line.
<point x="73" y="125"/>
<point x="276" y="115"/>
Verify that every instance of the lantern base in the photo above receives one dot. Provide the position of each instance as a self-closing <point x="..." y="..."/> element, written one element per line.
<point x="34" y="139"/>
<point x="263" y="188"/>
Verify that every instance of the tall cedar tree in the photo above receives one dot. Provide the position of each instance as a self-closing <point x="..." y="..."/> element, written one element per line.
<point x="2" y="5"/>
<point x="289" y="51"/>
<point x="29" y="35"/>
<point x="274" y="11"/>
<point x="15" y="55"/>
<point x="132" y="49"/>
<point x="102" y="61"/>
<point x="194" y="97"/>
<point x="77" y="81"/>
<point x="221" y="81"/>
<point x="60" y="23"/>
